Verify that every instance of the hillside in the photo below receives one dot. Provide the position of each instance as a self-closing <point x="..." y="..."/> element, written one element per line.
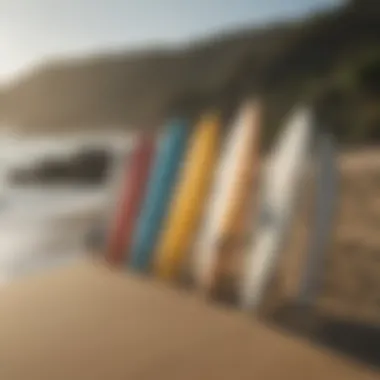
<point x="331" y="56"/>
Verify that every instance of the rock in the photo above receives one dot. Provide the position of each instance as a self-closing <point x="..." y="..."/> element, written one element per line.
<point x="89" y="166"/>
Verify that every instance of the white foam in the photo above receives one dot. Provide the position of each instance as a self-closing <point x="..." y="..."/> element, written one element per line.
<point x="43" y="229"/>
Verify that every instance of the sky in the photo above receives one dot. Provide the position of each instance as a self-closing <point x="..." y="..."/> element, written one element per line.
<point x="32" y="31"/>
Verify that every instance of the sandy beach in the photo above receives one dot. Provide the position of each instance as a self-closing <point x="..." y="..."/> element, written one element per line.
<point x="89" y="322"/>
<point x="86" y="299"/>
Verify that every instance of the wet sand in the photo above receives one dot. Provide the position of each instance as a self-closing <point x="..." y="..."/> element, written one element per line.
<point x="88" y="322"/>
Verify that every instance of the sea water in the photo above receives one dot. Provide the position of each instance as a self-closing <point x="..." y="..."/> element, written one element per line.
<point x="42" y="227"/>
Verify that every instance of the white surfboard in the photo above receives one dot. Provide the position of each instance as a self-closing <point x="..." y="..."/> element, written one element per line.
<point x="325" y="206"/>
<point x="239" y="141"/>
<point x="278" y="194"/>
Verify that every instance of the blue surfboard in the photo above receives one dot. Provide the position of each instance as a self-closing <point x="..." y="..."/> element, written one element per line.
<point x="160" y="187"/>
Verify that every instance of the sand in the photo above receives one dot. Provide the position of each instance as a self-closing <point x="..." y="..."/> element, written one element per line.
<point x="87" y="322"/>
<point x="353" y="267"/>
<point x="346" y="314"/>
<point x="351" y="283"/>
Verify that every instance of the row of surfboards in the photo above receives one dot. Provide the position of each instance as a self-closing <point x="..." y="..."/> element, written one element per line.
<point x="199" y="201"/>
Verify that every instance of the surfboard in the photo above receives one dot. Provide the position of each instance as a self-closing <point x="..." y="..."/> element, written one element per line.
<point x="160" y="188"/>
<point x="324" y="211"/>
<point x="224" y="224"/>
<point x="98" y="237"/>
<point x="191" y="193"/>
<point x="278" y="193"/>
<point x="135" y="180"/>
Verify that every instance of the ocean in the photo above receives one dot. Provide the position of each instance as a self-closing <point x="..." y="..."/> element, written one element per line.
<point x="47" y="226"/>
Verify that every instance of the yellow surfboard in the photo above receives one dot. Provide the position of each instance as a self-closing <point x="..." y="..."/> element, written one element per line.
<point x="191" y="193"/>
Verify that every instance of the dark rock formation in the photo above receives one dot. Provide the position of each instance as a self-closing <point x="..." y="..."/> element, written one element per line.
<point x="89" y="167"/>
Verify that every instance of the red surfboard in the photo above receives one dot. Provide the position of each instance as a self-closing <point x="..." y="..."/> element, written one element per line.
<point x="128" y="207"/>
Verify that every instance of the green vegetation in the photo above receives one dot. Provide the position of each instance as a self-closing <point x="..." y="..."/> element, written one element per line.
<point x="331" y="60"/>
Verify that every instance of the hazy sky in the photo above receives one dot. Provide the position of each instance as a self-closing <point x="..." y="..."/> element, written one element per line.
<point x="34" y="30"/>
